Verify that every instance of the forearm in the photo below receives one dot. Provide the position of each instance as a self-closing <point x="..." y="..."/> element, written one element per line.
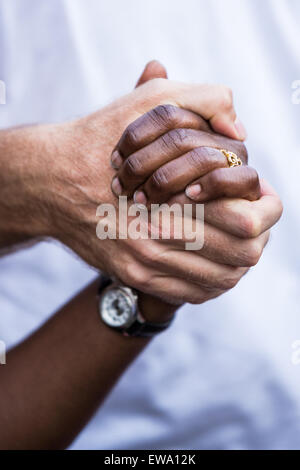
<point x="54" y="381"/>
<point x="21" y="216"/>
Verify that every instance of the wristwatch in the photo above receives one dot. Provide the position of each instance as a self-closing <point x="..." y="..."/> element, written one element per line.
<point x="118" y="309"/>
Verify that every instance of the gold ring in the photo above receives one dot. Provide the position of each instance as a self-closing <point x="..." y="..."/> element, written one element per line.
<point x="232" y="158"/>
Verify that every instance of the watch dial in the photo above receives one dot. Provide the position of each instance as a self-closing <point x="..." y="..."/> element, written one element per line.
<point x="116" y="308"/>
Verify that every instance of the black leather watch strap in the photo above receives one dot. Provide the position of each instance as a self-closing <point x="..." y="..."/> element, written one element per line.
<point x="105" y="281"/>
<point x="146" y="329"/>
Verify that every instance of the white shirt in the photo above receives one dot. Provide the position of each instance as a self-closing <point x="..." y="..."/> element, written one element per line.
<point x="222" y="376"/>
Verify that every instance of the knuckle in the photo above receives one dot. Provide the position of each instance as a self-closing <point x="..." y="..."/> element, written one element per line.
<point x="250" y="224"/>
<point x="166" y="114"/>
<point x="193" y="299"/>
<point x="159" y="180"/>
<point x="133" y="167"/>
<point x="254" y="178"/>
<point x="267" y="235"/>
<point x="229" y="279"/>
<point x="226" y="98"/>
<point x="191" y="296"/>
<point x="181" y="134"/>
<point x="253" y="253"/>
<point x="227" y="282"/>
<point x="223" y="282"/>
<point x="225" y="285"/>
<point x="177" y="138"/>
<point x="198" y="155"/>
<point x="130" y="137"/>
<point x="230" y="282"/>
<point x="204" y="296"/>
<point x="280" y="208"/>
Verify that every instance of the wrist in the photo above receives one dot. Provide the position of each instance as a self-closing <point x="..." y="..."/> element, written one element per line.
<point x="155" y="310"/>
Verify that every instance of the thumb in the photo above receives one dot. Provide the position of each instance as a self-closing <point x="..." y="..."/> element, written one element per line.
<point x="153" y="69"/>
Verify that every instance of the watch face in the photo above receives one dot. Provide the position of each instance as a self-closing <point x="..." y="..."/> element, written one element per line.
<point x="117" y="308"/>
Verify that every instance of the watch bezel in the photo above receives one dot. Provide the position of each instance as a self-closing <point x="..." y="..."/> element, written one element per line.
<point x="129" y="294"/>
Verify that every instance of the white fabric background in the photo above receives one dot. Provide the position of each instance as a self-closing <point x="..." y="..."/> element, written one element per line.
<point x="222" y="376"/>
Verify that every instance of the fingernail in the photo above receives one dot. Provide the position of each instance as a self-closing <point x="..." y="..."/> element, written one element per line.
<point x="193" y="191"/>
<point x="116" y="160"/>
<point x="139" y="197"/>
<point x="116" y="186"/>
<point x="239" y="126"/>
